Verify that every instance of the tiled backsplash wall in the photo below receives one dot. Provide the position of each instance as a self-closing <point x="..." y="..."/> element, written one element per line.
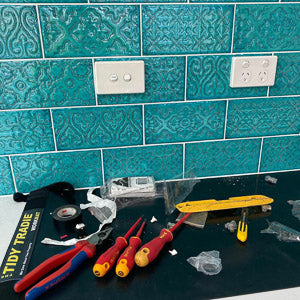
<point x="188" y="123"/>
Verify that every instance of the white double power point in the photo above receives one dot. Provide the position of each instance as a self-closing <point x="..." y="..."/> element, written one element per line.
<point x="253" y="71"/>
<point x="120" y="77"/>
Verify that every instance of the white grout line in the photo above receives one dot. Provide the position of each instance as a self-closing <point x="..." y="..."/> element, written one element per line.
<point x="230" y="175"/>
<point x="95" y="81"/>
<point x="145" y="103"/>
<point x="268" y="92"/>
<point x="53" y="131"/>
<point x="12" y="173"/>
<point x="40" y="30"/>
<point x="150" y="145"/>
<point x="141" y="30"/>
<point x="183" y="160"/>
<point x="148" y="56"/>
<point x="225" y="123"/>
<point x="260" y="154"/>
<point x="204" y="177"/>
<point x="102" y="166"/>
<point x="143" y="120"/>
<point x="185" y="77"/>
<point x="151" y="3"/>
<point x="233" y="28"/>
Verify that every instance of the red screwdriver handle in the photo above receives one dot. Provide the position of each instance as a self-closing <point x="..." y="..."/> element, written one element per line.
<point x="106" y="261"/>
<point x="126" y="260"/>
<point x="151" y="250"/>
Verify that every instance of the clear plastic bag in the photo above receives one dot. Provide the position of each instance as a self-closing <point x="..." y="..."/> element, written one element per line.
<point x="176" y="191"/>
<point x="296" y="208"/>
<point x="283" y="232"/>
<point x="208" y="263"/>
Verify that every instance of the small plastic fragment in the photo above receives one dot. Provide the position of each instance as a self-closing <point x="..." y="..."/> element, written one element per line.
<point x="170" y="225"/>
<point x="173" y="252"/>
<point x="271" y="179"/>
<point x="63" y="236"/>
<point x="208" y="263"/>
<point x="296" y="208"/>
<point x="231" y="226"/>
<point x="283" y="232"/>
<point x="153" y="219"/>
<point x="266" y="208"/>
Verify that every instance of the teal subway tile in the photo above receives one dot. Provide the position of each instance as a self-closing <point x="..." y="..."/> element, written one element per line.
<point x="208" y="78"/>
<point x="287" y="80"/>
<point x="43" y="1"/>
<point x="6" y="182"/>
<point x="19" y="34"/>
<point x="280" y="153"/>
<point x="235" y="1"/>
<point x="80" y="168"/>
<point x="25" y="131"/>
<point x="164" y="81"/>
<point x="72" y="31"/>
<point x="162" y="162"/>
<point x="267" y="28"/>
<point x="46" y="83"/>
<point x="136" y="1"/>
<point x="181" y="29"/>
<point x="222" y="158"/>
<point x="83" y="128"/>
<point x="260" y="117"/>
<point x="184" y="122"/>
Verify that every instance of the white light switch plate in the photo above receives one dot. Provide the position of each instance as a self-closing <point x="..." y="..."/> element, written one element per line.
<point x="247" y="71"/>
<point x="120" y="77"/>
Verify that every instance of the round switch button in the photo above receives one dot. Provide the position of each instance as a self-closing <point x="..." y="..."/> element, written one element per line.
<point x="127" y="77"/>
<point x="265" y="63"/>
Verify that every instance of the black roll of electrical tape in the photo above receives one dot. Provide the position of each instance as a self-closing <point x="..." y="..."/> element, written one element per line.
<point x="66" y="217"/>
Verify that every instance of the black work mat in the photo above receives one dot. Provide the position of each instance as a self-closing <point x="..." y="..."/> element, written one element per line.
<point x="262" y="264"/>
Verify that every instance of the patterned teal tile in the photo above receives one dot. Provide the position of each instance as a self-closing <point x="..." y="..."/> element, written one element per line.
<point x="260" y="117"/>
<point x="86" y="128"/>
<point x="222" y="158"/>
<point x="164" y="81"/>
<point x="184" y="122"/>
<point x="43" y="1"/>
<point x="6" y="182"/>
<point x="267" y="28"/>
<point x="181" y="29"/>
<point x="70" y="31"/>
<point x="46" y="83"/>
<point x="136" y="1"/>
<point x="235" y="1"/>
<point x="162" y="162"/>
<point x="19" y="34"/>
<point x="208" y="78"/>
<point x="287" y="81"/>
<point x="80" y="168"/>
<point x="280" y="153"/>
<point x="25" y="131"/>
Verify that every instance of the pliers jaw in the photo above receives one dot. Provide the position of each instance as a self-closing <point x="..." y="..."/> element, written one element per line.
<point x="98" y="238"/>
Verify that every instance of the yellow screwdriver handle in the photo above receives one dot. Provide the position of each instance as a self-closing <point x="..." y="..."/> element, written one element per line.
<point x="242" y="231"/>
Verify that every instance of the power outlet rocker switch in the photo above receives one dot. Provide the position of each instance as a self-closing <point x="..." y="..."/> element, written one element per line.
<point x="251" y="71"/>
<point x="120" y="77"/>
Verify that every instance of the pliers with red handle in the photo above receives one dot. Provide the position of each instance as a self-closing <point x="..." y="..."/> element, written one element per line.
<point x="74" y="257"/>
